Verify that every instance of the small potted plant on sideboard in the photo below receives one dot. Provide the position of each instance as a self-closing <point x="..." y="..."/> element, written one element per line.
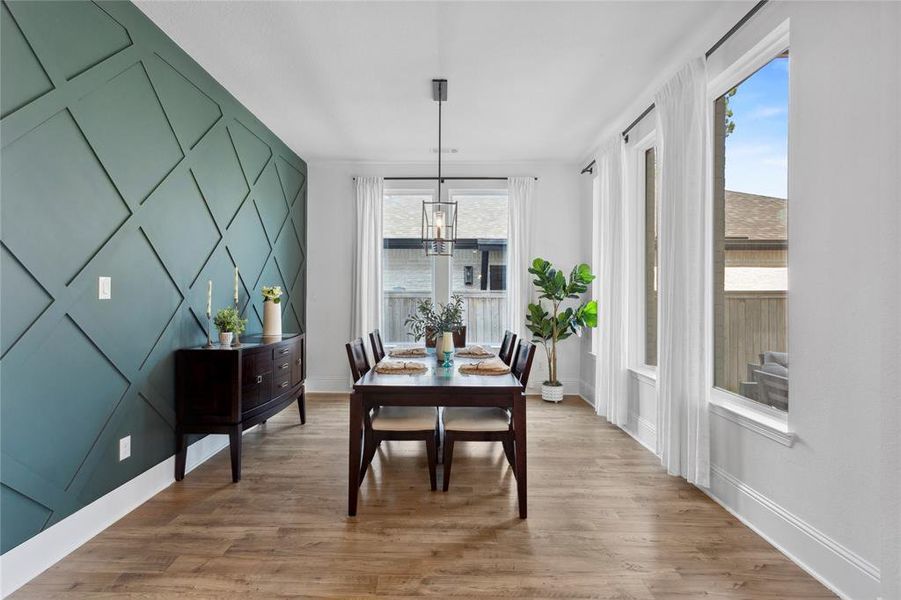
<point x="228" y="322"/>
<point x="549" y="328"/>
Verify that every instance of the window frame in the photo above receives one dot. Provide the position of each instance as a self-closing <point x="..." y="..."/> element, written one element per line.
<point x="636" y="188"/>
<point x="763" y="419"/>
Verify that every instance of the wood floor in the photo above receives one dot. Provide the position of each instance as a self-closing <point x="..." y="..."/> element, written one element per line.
<point x="605" y="521"/>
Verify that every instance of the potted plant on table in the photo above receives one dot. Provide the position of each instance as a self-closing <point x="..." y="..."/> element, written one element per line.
<point x="550" y="327"/>
<point x="437" y="323"/>
<point x="229" y="322"/>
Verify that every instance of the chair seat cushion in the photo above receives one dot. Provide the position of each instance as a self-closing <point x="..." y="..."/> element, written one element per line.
<point x="404" y="418"/>
<point x="476" y="419"/>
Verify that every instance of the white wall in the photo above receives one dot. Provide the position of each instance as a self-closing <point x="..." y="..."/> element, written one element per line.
<point x="819" y="500"/>
<point x="557" y="237"/>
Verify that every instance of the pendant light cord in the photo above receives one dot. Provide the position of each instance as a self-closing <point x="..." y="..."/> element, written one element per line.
<point x="440" y="85"/>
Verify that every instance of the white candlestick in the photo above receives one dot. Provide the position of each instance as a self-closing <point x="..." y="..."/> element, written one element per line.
<point x="236" y="286"/>
<point x="209" y="298"/>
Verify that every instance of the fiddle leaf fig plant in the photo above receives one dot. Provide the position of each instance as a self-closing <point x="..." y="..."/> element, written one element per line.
<point x="556" y="323"/>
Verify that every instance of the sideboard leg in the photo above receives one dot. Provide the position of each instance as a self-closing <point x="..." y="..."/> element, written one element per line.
<point x="302" y="407"/>
<point x="181" y="454"/>
<point x="234" y="442"/>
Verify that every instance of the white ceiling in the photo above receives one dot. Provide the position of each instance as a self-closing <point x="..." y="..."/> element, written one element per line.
<point x="526" y="80"/>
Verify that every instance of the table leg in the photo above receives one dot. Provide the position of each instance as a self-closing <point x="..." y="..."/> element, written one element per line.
<point x="519" y="447"/>
<point x="353" y="461"/>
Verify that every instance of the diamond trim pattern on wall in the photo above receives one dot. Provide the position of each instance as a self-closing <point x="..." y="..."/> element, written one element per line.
<point x="121" y="157"/>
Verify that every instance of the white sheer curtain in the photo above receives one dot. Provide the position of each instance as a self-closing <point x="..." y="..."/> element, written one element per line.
<point x="611" y="361"/>
<point x="521" y="191"/>
<point x="683" y="436"/>
<point x="366" y="289"/>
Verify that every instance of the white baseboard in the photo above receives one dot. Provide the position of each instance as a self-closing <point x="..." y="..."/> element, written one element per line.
<point x="586" y="390"/>
<point x="644" y="432"/>
<point x="841" y="570"/>
<point x="35" y="555"/>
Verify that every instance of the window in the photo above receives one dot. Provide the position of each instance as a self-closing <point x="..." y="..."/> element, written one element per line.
<point x="407" y="273"/>
<point x="479" y="268"/>
<point x="650" y="258"/>
<point x="750" y="241"/>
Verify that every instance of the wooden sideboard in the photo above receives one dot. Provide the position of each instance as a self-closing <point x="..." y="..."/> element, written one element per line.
<point x="229" y="389"/>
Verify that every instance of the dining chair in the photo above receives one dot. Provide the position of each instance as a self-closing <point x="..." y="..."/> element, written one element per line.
<point x="522" y="361"/>
<point x="393" y="423"/>
<point x="507" y="347"/>
<point x="485" y="424"/>
<point x="378" y="349"/>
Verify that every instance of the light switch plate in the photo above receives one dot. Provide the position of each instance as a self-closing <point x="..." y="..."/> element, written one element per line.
<point x="105" y="288"/>
<point x="125" y="447"/>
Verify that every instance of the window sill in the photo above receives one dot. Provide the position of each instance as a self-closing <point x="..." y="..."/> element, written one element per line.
<point x="645" y="374"/>
<point x="769" y="423"/>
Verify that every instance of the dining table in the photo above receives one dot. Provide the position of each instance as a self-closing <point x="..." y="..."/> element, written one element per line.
<point x="438" y="386"/>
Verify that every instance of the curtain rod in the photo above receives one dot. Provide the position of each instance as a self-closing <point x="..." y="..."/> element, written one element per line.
<point x="443" y="179"/>
<point x="590" y="167"/>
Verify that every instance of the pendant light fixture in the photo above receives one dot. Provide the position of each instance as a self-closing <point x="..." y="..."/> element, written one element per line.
<point x="439" y="219"/>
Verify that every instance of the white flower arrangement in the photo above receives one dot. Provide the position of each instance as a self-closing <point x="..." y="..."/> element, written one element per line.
<point x="273" y="293"/>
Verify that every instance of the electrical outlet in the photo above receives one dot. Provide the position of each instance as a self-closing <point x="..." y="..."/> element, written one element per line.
<point x="125" y="447"/>
<point x="105" y="288"/>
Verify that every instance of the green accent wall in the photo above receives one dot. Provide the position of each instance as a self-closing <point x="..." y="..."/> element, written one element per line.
<point x="121" y="157"/>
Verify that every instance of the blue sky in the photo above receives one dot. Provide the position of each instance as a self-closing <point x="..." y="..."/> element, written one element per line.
<point x="757" y="151"/>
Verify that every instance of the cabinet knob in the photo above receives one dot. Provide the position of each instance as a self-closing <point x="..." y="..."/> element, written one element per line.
<point x="283" y="366"/>
<point x="298" y="361"/>
<point x="284" y="351"/>
<point x="259" y="379"/>
<point x="284" y="385"/>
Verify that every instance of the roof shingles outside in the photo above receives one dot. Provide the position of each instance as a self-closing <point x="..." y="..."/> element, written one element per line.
<point x="478" y="217"/>
<point x="753" y="217"/>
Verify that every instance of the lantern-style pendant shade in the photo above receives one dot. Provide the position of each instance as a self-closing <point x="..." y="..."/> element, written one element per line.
<point x="439" y="228"/>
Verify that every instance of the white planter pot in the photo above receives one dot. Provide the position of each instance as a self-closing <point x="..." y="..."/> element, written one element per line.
<point x="551" y="393"/>
<point x="272" y="318"/>
<point x="225" y="338"/>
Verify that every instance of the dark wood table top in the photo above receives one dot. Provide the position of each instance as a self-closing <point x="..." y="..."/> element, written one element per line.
<point x="437" y="377"/>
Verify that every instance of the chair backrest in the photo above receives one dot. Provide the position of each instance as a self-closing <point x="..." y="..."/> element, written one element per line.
<point x="522" y="361"/>
<point x="773" y="389"/>
<point x="459" y="337"/>
<point x="507" y="347"/>
<point x="356" y="356"/>
<point x="378" y="349"/>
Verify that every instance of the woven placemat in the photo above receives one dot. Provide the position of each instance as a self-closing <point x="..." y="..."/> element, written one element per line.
<point x="474" y="352"/>
<point x="414" y="352"/>
<point x="399" y="367"/>
<point x="491" y="366"/>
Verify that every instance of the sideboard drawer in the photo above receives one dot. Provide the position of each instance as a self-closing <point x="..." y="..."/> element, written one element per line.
<point x="256" y="392"/>
<point x="253" y="365"/>
<point x="282" y="352"/>
<point x="281" y="384"/>
<point x="282" y="365"/>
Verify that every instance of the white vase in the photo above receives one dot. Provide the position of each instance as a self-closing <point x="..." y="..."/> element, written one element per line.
<point x="272" y="318"/>
<point x="225" y="338"/>
<point x="551" y="393"/>
<point x="441" y="346"/>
